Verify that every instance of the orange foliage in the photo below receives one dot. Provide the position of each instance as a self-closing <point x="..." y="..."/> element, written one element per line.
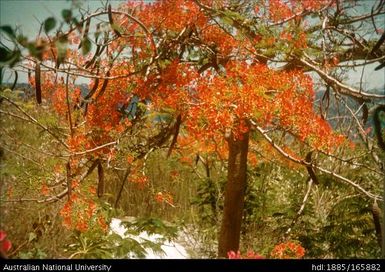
<point x="164" y="197"/>
<point x="213" y="103"/>
<point x="268" y="97"/>
<point x="214" y="35"/>
<point x="241" y="94"/>
<point x="80" y="212"/>
<point x="289" y="250"/>
<point x="280" y="10"/>
<point x="139" y="179"/>
<point x="172" y="15"/>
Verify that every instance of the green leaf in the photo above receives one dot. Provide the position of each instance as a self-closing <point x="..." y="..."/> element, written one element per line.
<point x="61" y="50"/>
<point x="15" y="58"/>
<point x="86" y="46"/>
<point x="76" y="22"/>
<point x="67" y="15"/>
<point x="49" y="24"/>
<point x="32" y="49"/>
<point x="97" y="34"/>
<point x="8" y="30"/>
<point x="5" y="54"/>
<point x="21" y="39"/>
<point x="9" y="58"/>
<point x="35" y="51"/>
<point x="117" y="28"/>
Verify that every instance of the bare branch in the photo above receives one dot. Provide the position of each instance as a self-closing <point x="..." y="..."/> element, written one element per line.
<point x="33" y="120"/>
<point x="304" y="201"/>
<point x="343" y="89"/>
<point x="302" y="162"/>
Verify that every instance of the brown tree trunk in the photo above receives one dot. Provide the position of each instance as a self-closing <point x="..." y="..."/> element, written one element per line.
<point x="230" y="232"/>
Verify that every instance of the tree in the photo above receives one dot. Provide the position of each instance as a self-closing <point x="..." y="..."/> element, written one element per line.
<point x="212" y="69"/>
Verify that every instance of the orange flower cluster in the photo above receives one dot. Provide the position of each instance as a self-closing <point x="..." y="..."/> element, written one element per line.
<point x="224" y="43"/>
<point x="164" y="197"/>
<point x="174" y="174"/>
<point x="172" y="15"/>
<point x="45" y="189"/>
<point x="289" y="250"/>
<point x="47" y="84"/>
<point x="104" y="114"/>
<point x="172" y="91"/>
<point x="283" y="99"/>
<point x="280" y="10"/>
<point x="249" y="255"/>
<point x="81" y="214"/>
<point x="139" y="179"/>
<point x="296" y="40"/>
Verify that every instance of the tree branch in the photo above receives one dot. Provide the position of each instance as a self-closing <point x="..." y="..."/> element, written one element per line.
<point x="343" y="89"/>
<point x="304" y="163"/>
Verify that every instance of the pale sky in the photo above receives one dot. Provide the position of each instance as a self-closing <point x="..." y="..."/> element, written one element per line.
<point x="27" y="15"/>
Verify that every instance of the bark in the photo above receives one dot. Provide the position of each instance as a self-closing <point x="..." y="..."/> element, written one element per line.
<point x="230" y="232"/>
<point x="376" y="212"/>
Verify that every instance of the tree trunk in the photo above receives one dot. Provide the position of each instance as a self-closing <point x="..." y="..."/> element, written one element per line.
<point x="230" y="232"/>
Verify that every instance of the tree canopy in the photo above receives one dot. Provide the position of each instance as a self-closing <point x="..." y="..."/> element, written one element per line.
<point x="239" y="83"/>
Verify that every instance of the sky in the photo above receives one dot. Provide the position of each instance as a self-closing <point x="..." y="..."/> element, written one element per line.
<point x="27" y="15"/>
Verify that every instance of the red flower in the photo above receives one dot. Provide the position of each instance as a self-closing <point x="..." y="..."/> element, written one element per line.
<point x="5" y="244"/>
<point x="45" y="189"/>
<point x="253" y="255"/>
<point x="3" y="234"/>
<point x="249" y="255"/>
<point x="289" y="250"/>
<point x="232" y="255"/>
<point x="165" y="197"/>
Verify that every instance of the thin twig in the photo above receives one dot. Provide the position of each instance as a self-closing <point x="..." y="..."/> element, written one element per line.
<point x="22" y="156"/>
<point x="33" y="120"/>
<point x="56" y="197"/>
<point x="302" y="162"/>
<point x="91" y="150"/>
<point x="344" y="89"/>
<point x="69" y="107"/>
<point x="304" y="201"/>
